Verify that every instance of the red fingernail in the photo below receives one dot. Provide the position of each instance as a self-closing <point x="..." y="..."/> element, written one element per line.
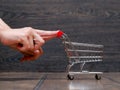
<point x="59" y="34"/>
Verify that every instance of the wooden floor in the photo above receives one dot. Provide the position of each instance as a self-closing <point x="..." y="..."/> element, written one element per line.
<point x="57" y="81"/>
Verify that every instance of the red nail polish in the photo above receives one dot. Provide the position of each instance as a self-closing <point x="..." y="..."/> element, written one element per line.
<point x="60" y="33"/>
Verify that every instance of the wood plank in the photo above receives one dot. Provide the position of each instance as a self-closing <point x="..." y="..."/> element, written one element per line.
<point x="85" y="21"/>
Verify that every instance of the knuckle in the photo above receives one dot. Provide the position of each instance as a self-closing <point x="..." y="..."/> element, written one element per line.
<point x="29" y="28"/>
<point x="42" y="42"/>
<point x="25" y="48"/>
<point x="28" y="47"/>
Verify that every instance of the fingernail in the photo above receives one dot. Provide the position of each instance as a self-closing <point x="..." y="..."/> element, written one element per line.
<point x="59" y="34"/>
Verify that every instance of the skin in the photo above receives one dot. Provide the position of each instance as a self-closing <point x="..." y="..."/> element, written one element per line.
<point x="27" y="40"/>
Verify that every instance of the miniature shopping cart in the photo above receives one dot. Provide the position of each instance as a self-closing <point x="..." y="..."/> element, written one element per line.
<point x="81" y="53"/>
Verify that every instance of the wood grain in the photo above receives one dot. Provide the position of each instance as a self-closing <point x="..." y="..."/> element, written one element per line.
<point x="86" y="21"/>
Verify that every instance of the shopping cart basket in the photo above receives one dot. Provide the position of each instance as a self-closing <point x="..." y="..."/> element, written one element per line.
<point x="81" y="53"/>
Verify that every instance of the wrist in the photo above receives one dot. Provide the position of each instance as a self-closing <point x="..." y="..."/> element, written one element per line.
<point x="3" y="25"/>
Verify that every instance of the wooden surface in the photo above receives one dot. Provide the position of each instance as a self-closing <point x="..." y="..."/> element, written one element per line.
<point x="57" y="81"/>
<point x="86" y="21"/>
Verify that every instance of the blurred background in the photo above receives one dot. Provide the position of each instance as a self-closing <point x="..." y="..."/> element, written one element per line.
<point x="84" y="21"/>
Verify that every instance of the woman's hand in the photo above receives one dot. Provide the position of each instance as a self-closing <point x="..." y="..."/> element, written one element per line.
<point x="26" y="40"/>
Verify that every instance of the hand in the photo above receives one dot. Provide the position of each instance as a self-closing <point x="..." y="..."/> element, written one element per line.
<point x="25" y="40"/>
<point x="46" y="35"/>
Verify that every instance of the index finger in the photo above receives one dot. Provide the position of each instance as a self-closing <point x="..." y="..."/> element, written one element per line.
<point x="47" y="35"/>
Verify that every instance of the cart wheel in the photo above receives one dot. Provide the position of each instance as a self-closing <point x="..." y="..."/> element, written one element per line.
<point x="97" y="77"/>
<point x="70" y="77"/>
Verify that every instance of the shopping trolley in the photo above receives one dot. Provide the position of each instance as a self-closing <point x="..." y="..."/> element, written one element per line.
<point x="81" y="53"/>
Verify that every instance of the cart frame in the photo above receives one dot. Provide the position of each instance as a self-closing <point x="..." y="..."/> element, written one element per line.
<point x="77" y="53"/>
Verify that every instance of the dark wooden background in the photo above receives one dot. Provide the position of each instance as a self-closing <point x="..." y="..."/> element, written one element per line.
<point x="86" y="21"/>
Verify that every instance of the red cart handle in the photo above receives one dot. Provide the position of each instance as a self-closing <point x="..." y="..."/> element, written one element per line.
<point x="60" y="33"/>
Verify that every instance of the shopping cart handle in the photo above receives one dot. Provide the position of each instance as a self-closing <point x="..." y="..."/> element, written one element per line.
<point x="60" y="33"/>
